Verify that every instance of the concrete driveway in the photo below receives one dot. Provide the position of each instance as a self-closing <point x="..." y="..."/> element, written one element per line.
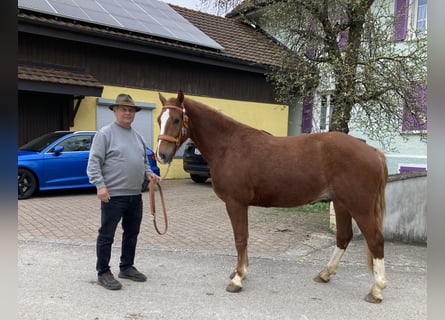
<point x="188" y="268"/>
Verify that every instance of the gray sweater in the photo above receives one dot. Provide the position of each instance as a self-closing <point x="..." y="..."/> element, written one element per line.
<point x="118" y="160"/>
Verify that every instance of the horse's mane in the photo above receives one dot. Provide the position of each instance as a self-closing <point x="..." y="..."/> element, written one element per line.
<point x="208" y="112"/>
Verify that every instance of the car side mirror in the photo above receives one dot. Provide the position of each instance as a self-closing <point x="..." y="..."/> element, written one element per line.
<point x="58" y="150"/>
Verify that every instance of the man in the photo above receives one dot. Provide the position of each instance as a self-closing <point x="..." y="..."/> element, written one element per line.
<point x="117" y="166"/>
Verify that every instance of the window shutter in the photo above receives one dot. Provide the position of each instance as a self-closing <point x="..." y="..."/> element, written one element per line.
<point x="415" y="109"/>
<point x="401" y="19"/>
<point x="343" y="39"/>
<point x="407" y="169"/>
<point x="308" y="104"/>
<point x="311" y="53"/>
<point x="311" y="49"/>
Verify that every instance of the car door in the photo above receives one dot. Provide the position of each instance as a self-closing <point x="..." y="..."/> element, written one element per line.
<point x="67" y="168"/>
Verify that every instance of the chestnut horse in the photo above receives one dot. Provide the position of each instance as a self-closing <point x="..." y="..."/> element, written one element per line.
<point x="299" y="170"/>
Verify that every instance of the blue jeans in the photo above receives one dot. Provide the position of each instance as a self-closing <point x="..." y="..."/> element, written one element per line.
<point x="129" y="209"/>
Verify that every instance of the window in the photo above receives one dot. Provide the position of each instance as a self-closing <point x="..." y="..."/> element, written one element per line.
<point x="322" y="112"/>
<point x="421" y="17"/>
<point x="76" y="143"/>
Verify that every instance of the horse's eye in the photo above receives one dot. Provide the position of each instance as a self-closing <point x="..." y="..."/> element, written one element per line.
<point x="176" y="121"/>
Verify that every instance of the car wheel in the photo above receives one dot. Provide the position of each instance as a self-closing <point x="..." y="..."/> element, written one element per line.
<point x="27" y="183"/>
<point x="198" y="179"/>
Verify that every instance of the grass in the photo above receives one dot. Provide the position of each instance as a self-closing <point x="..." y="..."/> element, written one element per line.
<point x="316" y="207"/>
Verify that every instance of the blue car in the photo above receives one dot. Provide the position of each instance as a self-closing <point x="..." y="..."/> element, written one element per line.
<point x="58" y="160"/>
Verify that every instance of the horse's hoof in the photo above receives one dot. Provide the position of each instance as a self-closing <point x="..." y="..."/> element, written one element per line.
<point x="233" y="288"/>
<point x="371" y="299"/>
<point x="319" y="279"/>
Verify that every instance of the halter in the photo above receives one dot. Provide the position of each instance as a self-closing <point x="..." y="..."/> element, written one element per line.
<point x="176" y="140"/>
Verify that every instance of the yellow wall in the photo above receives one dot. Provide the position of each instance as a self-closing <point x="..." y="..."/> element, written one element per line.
<point x="272" y="118"/>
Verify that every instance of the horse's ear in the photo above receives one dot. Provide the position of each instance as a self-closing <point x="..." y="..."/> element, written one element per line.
<point x="162" y="98"/>
<point x="180" y="97"/>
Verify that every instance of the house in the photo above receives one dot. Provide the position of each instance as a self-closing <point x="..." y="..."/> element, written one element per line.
<point x="75" y="58"/>
<point x="408" y="150"/>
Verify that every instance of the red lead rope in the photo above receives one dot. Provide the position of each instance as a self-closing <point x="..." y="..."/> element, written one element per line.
<point x="151" y="194"/>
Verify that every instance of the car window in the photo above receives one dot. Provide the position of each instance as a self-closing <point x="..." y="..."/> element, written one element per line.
<point x="76" y="143"/>
<point x="85" y="143"/>
<point x="40" y="143"/>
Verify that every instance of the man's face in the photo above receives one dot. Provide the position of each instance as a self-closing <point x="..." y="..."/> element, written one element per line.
<point x="124" y="115"/>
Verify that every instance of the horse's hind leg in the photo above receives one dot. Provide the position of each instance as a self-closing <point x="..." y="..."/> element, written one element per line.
<point x="238" y="218"/>
<point x="375" y="246"/>
<point x="344" y="236"/>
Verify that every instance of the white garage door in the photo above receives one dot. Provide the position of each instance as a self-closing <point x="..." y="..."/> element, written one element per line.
<point x="143" y="122"/>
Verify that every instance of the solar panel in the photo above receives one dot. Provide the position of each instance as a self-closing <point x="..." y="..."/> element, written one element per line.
<point x="41" y="6"/>
<point x="101" y="18"/>
<point x="145" y="16"/>
<point x="69" y="10"/>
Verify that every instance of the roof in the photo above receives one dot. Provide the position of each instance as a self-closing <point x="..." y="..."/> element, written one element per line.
<point x="69" y="80"/>
<point x="143" y="16"/>
<point x="240" y="40"/>
<point x="243" y="44"/>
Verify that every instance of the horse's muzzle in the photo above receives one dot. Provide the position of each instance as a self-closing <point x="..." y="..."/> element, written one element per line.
<point x="163" y="158"/>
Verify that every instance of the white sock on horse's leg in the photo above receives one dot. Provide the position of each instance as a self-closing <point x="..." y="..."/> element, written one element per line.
<point x="375" y="296"/>
<point x="331" y="267"/>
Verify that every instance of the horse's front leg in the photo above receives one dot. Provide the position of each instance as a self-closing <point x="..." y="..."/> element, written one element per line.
<point x="238" y="218"/>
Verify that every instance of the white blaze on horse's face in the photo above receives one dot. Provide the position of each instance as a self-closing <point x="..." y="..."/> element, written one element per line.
<point x="162" y="124"/>
<point x="164" y="117"/>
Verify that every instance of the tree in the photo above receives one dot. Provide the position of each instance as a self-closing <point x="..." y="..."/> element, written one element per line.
<point x="349" y="47"/>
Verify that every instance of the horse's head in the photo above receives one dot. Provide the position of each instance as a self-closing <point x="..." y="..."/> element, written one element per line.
<point x="172" y="123"/>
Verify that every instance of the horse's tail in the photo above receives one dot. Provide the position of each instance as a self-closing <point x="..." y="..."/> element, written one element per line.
<point x="380" y="203"/>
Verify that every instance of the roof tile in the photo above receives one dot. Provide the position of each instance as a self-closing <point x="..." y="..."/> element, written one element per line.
<point x="56" y="74"/>
<point x="240" y="40"/>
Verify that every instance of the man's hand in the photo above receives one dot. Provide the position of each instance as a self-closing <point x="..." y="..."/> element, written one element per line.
<point x="153" y="177"/>
<point x="103" y="195"/>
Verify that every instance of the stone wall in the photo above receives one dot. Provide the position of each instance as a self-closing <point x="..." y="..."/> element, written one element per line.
<point x="406" y="207"/>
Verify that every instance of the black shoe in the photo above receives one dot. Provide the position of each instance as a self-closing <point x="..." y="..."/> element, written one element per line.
<point x="108" y="281"/>
<point x="133" y="274"/>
